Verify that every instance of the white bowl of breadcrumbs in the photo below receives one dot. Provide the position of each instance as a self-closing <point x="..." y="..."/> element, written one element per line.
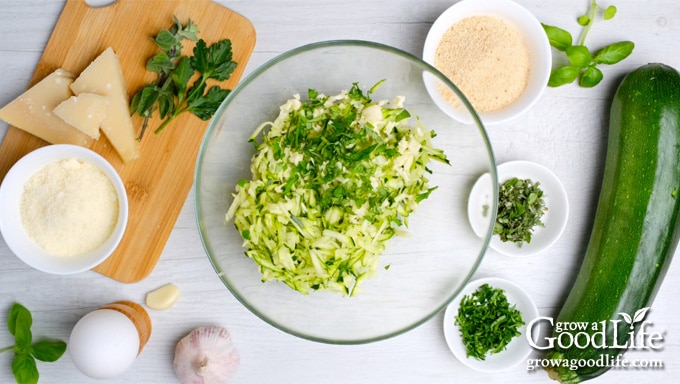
<point x="496" y="52"/>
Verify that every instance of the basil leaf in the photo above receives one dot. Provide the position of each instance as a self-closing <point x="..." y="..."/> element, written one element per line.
<point x="19" y="324"/>
<point x="563" y="75"/>
<point x="12" y="318"/>
<point x="583" y="20"/>
<point x="590" y="77"/>
<point x="614" y="53"/>
<point x="24" y="369"/>
<point x="578" y="55"/>
<point x="48" y="350"/>
<point x="609" y="12"/>
<point x="558" y="37"/>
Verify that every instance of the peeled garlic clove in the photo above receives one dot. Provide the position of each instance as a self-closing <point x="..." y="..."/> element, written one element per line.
<point x="206" y="356"/>
<point x="163" y="298"/>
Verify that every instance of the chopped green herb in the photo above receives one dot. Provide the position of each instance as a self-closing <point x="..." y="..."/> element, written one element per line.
<point x="333" y="177"/>
<point x="487" y="321"/>
<point x="583" y="64"/>
<point x="485" y="210"/>
<point x="521" y="206"/>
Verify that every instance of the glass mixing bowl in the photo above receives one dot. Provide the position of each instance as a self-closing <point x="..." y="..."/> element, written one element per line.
<point x="419" y="274"/>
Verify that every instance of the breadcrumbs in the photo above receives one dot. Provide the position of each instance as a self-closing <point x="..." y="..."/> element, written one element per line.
<point x="487" y="59"/>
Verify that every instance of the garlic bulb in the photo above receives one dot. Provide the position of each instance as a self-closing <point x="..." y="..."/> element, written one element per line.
<point x="206" y="356"/>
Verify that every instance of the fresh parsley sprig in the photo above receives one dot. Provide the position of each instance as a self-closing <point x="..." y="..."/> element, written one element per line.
<point x="583" y="64"/>
<point x="173" y="93"/>
<point x="26" y="352"/>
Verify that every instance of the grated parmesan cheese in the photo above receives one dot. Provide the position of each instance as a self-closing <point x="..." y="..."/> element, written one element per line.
<point x="69" y="207"/>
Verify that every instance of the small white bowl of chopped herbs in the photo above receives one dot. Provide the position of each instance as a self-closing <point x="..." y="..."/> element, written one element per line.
<point x="497" y="312"/>
<point x="533" y="208"/>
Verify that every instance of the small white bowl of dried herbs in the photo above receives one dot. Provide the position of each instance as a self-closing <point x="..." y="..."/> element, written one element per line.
<point x="485" y="325"/>
<point x="533" y="208"/>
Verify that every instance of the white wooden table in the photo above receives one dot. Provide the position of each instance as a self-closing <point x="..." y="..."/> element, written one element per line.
<point x="565" y="131"/>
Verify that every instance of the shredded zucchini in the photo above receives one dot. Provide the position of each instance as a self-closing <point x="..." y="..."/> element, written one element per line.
<point x="333" y="178"/>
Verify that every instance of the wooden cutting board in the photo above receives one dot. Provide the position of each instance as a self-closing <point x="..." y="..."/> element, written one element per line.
<point x="159" y="181"/>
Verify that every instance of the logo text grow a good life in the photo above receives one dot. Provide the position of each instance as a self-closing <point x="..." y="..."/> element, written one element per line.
<point x="594" y="334"/>
<point x="628" y="332"/>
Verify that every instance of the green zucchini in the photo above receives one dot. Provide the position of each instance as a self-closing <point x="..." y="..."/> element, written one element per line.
<point x="635" y="231"/>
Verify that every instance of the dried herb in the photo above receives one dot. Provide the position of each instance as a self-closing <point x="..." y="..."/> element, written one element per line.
<point x="487" y="321"/>
<point x="521" y="205"/>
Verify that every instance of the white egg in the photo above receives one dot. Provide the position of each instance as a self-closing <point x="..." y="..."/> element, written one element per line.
<point x="103" y="344"/>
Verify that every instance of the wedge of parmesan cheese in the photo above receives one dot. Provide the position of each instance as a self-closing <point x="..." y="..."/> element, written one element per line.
<point x="32" y="111"/>
<point x="85" y="112"/>
<point x="104" y="76"/>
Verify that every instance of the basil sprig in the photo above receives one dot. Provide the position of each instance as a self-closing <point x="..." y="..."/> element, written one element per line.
<point x="583" y="63"/>
<point x="26" y="352"/>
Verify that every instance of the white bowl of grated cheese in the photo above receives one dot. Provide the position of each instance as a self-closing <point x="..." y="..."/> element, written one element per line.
<point x="496" y="52"/>
<point x="63" y="209"/>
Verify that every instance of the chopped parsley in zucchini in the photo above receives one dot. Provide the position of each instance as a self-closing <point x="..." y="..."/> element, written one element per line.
<point x="333" y="179"/>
